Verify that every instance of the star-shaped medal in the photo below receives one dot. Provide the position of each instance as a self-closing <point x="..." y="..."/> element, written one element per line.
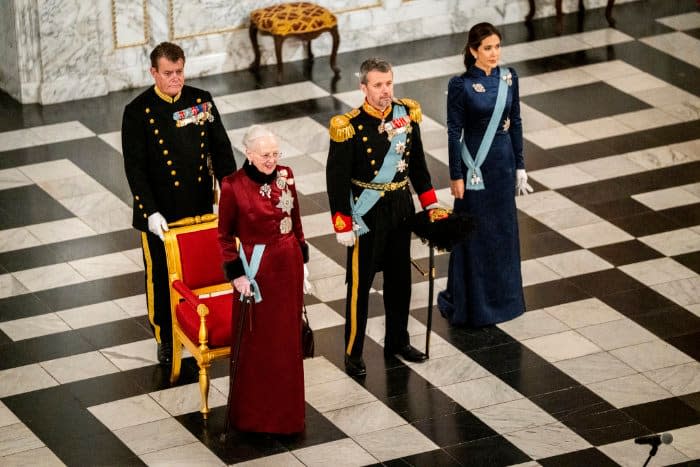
<point x="400" y="147"/>
<point x="401" y="166"/>
<point x="265" y="190"/>
<point x="506" y="124"/>
<point x="286" y="202"/>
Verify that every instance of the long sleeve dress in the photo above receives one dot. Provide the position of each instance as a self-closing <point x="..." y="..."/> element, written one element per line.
<point x="484" y="283"/>
<point x="268" y="392"/>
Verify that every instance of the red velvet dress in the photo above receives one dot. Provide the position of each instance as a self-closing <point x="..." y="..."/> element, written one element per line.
<point x="268" y="391"/>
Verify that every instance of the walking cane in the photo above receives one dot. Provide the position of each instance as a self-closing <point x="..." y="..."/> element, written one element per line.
<point x="431" y="284"/>
<point x="244" y="309"/>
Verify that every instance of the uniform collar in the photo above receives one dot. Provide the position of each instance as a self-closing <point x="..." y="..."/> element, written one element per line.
<point x="374" y="112"/>
<point x="166" y="97"/>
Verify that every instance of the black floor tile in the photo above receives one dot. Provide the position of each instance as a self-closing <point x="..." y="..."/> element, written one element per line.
<point x="587" y="102"/>
<point x="552" y="293"/>
<point x="670" y="322"/>
<point x="616" y="208"/>
<point x="453" y="429"/>
<point x="39" y="349"/>
<point x="433" y="404"/>
<point x="544" y="244"/>
<point x="691" y="400"/>
<point x="606" y="282"/>
<point x="688" y="343"/>
<point x="438" y="458"/>
<point x="595" y="193"/>
<point x="506" y="358"/>
<point x="538" y="380"/>
<point x="664" y="415"/>
<point x="690" y="260"/>
<point x="117" y="332"/>
<point x="631" y="251"/>
<point x="309" y="205"/>
<point x="569" y="401"/>
<point x="632" y="303"/>
<point x="22" y="306"/>
<point x="495" y="451"/>
<point x="601" y="424"/>
<point x="29" y="204"/>
<point x="685" y="216"/>
<point x="589" y="456"/>
<point x="529" y="226"/>
<point x="648" y="223"/>
<point x="330" y="247"/>
<point x="318" y="430"/>
<point x="471" y="339"/>
<point x="100" y="290"/>
<point x="693" y="32"/>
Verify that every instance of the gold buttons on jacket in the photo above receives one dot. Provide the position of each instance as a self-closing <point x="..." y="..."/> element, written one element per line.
<point x="160" y="141"/>
<point x="145" y="216"/>
<point x="201" y="145"/>
<point x="372" y="162"/>
<point x="176" y="183"/>
<point x="201" y="156"/>
<point x="148" y="110"/>
<point x="364" y="139"/>
<point x="137" y="197"/>
<point x="199" y="100"/>
<point x="155" y="132"/>
<point x="199" y="179"/>
<point x="151" y="121"/>
<point x="173" y="172"/>
<point x="376" y="172"/>
<point x="359" y="127"/>
<point x="201" y="167"/>
<point x="369" y="150"/>
<point x="140" y="206"/>
<point x="165" y="152"/>
<point x="201" y="134"/>
<point x="169" y="162"/>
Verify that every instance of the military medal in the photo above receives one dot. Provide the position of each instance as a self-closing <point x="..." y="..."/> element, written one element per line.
<point x="265" y="190"/>
<point x="478" y="87"/>
<point x="281" y="183"/>
<point x="195" y="114"/>
<point x="286" y="225"/>
<point x="400" y="147"/>
<point x="395" y="127"/>
<point x="506" y="124"/>
<point x="401" y="166"/>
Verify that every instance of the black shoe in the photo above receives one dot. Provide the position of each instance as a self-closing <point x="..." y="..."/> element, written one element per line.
<point x="355" y="366"/>
<point x="165" y="353"/>
<point x="408" y="353"/>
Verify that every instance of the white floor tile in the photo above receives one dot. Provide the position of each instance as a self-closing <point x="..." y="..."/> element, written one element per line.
<point x="567" y="218"/>
<point x="597" y="234"/>
<point x="628" y="454"/>
<point x="34" y="326"/>
<point x="98" y="267"/>
<point x="61" y="230"/>
<point x="554" y="137"/>
<point x="561" y="346"/>
<point x="79" y="367"/>
<point x="17" y="239"/>
<point x="17" y="438"/>
<point x="678" y="380"/>
<point x="337" y="394"/>
<point x="41" y="456"/>
<point x="401" y="441"/>
<point x="48" y="277"/>
<point x="531" y="324"/>
<point x="673" y="242"/>
<point x="610" y="167"/>
<point x="188" y="454"/>
<point x="584" y="313"/>
<point x="600" y="128"/>
<point x="343" y="452"/>
<point x="13" y="178"/>
<point x="534" y="272"/>
<point x="683" y="291"/>
<point x="594" y="368"/>
<point x="513" y="416"/>
<point x="547" y="441"/>
<point x="129" y="412"/>
<point x="364" y="418"/>
<point x="481" y="392"/>
<point x="686" y="439"/>
<point x="651" y="355"/>
<point x="666" y="198"/>
<point x="561" y="176"/>
<point x="155" y="436"/>
<point x="574" y="263"/>
<point x="657" y="271"/>
<point x="684" y="21"/>
<point x="186" y="399"/>
<point x="616" y="334"/>
<point x="134" y="355"/>
<point x="52" y="170"/>
<point x="23" y="379"/>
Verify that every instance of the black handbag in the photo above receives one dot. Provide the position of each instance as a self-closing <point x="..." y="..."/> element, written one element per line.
<point x="307" y="336"/>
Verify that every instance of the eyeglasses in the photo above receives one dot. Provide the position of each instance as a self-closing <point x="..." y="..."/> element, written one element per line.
<point x="269" y="156"/>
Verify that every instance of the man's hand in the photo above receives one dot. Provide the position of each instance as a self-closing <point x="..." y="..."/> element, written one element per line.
<point x="457" y="188"/>
<point x="307" y="284"/>
<point x="242" y="284"/>
<point x="346" y="238"/>
<point x="521" y="185"/>
<point x="157" y="224"/>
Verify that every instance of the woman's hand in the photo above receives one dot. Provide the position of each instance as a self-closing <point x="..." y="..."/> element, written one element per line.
<point x="242" y="284"/>
<point x="457" y="188"/>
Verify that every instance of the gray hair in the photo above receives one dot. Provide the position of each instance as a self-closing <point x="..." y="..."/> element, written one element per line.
<point x="255" y="132"/>
<point x="371" y="64"/>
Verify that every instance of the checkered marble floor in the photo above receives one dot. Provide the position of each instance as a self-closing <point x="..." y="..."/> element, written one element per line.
<point x="608" y="350"/>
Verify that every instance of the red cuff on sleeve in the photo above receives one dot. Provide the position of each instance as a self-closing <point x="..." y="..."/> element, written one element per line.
<point x="427" y="198"/>
<point x="341" y="222"/>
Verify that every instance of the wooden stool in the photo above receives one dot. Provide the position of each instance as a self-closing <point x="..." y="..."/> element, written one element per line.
<point x="302" y="20"/>
<point x="557" y="3"/>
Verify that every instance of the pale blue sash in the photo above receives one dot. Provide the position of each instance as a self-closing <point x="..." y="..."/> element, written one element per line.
<point x="368" y="198"/>
<point x="252" y="269"/>
<point x="475" y="180"/>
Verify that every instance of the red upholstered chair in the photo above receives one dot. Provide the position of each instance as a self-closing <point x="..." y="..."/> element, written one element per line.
<point x="200" y="297"/>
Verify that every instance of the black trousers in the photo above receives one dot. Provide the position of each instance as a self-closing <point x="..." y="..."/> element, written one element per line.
<point x="157" y="288"/>
<point x="389" y="251"/>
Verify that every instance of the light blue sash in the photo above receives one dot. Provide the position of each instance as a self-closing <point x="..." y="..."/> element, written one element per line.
<point x="252" y="269"/>
<point x="475" y="180"/>
<point x="368" y="198"/>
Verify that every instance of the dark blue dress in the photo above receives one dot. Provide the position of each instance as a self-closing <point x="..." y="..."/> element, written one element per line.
<point x="484" y="284"/>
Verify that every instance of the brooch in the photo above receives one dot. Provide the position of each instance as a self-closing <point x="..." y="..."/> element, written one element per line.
<point x="286" y="202"/>
<point x="286" y="225"/>
<point x="506" y="124"/>
<point x="508" y="79"/>
<point x="265" y="190"/>
<point x="478" y="87"/>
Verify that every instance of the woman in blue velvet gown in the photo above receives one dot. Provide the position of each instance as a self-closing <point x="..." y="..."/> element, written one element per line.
<point x="484" y="283"/>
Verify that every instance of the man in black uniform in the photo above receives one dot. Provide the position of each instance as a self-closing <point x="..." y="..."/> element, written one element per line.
<point x="173" y="142"/>
<point x="374" y="151"/>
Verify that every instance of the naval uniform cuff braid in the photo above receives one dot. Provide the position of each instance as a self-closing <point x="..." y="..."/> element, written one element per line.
<point x="233" y="269"/>
<point x="427" y="198"/>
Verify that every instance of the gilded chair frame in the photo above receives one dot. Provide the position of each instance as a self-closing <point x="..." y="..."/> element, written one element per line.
<point x="178" y="292"/>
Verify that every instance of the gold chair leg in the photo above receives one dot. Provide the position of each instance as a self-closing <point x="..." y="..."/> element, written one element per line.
<point x="177" y="359"/>
<point x="204" y="388"/>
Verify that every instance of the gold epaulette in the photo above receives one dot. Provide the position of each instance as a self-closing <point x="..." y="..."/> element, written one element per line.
<point x="340" y="127"/>
<point x="414" y="110"/>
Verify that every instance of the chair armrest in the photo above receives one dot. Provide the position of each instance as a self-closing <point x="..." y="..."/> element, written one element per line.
<point x="190" y="298"/>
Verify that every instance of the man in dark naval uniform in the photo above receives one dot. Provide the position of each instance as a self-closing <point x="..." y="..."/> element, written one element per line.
<point x="173" y="143"/>
<point x="374" y="151"/>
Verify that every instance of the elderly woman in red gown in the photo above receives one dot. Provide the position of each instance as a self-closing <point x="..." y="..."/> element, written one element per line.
<point x="260" y="209"/>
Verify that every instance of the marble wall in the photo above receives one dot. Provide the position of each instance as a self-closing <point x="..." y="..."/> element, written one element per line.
<point x="59" y="50"/>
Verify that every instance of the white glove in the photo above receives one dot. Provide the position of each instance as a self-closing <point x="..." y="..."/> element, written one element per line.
<point x="157" y="224"/>
<point x="431" y="206"/>
<point x="345" y="238"/>
<point x="521" y="185"/>
<point x="242" y="284"/>
<point x="307" y="284"/>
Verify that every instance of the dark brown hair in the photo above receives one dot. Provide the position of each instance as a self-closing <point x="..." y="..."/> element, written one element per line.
<point x="477" y="33"/>
<point x="170" y="51"/>
<point x="372" y="64"/>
